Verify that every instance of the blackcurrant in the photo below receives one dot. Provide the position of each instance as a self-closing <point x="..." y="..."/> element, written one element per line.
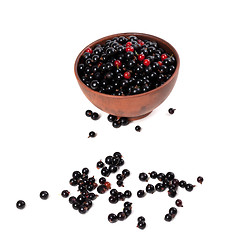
<point x="44" y="195"/>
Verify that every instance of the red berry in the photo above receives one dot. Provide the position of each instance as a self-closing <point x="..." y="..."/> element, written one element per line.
<point x="159" y="63"/>
<point x="140" y="42"/>
<point x="129" y="49"/>
<point x="141" y="57"/>
<point x="127" y="75"/>
<point x="90" y="50"/>
<point x="146" y="62"/>
<point x="164" y="56"/>
<point x="108" y="185"/>
<point x="128" y="44"/>
<point x="117" y="63"/>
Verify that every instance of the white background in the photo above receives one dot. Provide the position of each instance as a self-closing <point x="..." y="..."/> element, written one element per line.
<point x="43" y="129"/>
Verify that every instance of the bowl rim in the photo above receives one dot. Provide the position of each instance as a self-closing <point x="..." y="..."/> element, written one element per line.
<point x="142" y="35"/>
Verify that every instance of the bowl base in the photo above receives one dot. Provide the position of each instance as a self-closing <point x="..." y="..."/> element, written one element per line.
<point x="139" y="117"/>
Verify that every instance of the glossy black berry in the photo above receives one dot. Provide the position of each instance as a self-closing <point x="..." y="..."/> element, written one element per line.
<point x="172" y="193"/>
<point x="89" y="113"/>
<point x="102" y="189"/>
<point x="120" y="177"/>
<point x="112" y="218"/>
<point x="102" y="180"/>
<point x="171" y="110"/>
<point x="113" y="168"/>
<point x="100" y="164"/>
<point x="76" y="205"/>
<point x="20" y="204"/>
<point x="108" y="160"/>
<point x="175" y="182"/>
<point x="105" y="172"/>
<point x="121" y="196"/>
<point x="161" y="177"/>
<point x="117" y="155"/>
<point x="200" y="180"/>
<point x="115" y="161"/>
<point x="81" y="198"/>
<point x="120" y="183"/>
<point x="127" y="194"/>
<point x="72" y="200"/>
<point x="170" y="176"/>
<point x="85" y="171"/>
<point x="173" y="211"/>
<point x="153" y="175"/>
<point x="127" y="211"/>
<point x="113" y="199"/>
<point x="95" y="116"/>
<point x="138" y="128"/>
<point x="114" y="192"/>
<point x="182" y="184"/>
<point x="128" y="205"/>
<point x="150" y="188"/>
<point x="73" y="182"/>
<point x="168" y="217"/>
<point x="121" y="162"/>
<point x="65" y="193"/>
<point x="121" y="216"/>
<point x="92" y="134"/>
<point x="92" y="196"/>
<point x="141" y="219"/>
<point x="44" y="195"/>
<point x="82" y="209"/>
<point x="143" y="177"/>
<point x="112" y="118"/>
<point x="160" y="187"/>
<point x="76" y="175"/>
<point x="189" y="187"/>
<point x="116" y="124"/>
<point x="141" y="225"/>
<point x="126" y="173"/>
<point x="124" y="121"/>
<point x="179" y="203"/>
<point x="140" y="194"/>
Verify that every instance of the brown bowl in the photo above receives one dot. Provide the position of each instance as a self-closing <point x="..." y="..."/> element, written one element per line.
<point x="133" y="106"/>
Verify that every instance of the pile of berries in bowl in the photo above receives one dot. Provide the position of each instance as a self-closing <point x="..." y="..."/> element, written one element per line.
<point x="127" y="75"/>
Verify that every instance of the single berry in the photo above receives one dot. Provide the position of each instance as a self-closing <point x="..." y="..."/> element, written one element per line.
<point x="128" y="44"/>
<point x="20" y="204"/>
<point x="138" y="128"/>
<point x="127" y="75"/>
<point x="85" y="171"/>
<point x="127" y="211"/>
<point x="105" y="172"/>
<point x="116" y="124"/>
<point x="141" y="57"/>
<point x="102" y="180"/>
<point x="117" y="155"/>
<point x="126" y="173"/>
<point x="120" y="183"/>
<point x="73" y="182"/>
<point x="120" y="177"/>
<point x="82" y="209"/>
<point x="153" y="174"/>
<point x="92" y="196"/>
<point x="182" y="184"/>
<point x="146" y="62"/>
<point x="172" y="193"/>
<point x="72" y="200"/>
<point x="170" y="176"/>
<point x="113" y="199"/>
<point x="127" y="194"/>
<point x="200" y="180"/>
<point x="121" y="162"/>
<point x="143" y="177"/>
<point x="92" y="134"/>
<point x="179" y="203"/>
<point x="113" y="168"/>
<point x="171" y="110"/>
<point x="121" y="216"/>
<point x="76" y="205"/>
<point x="168" y="217"/>
<point x="141" y="219"/>
<point x="164" y="56"/>
<point x="89" y="50"/>
<point x="112" y="218"/>
<point x="89" y="113"/>
<point x="175" y="182"/>
<point x="141" y="225"/>
<point x="160" y="187"/>
<point x="189" y="187"/>
<point x="115" y="161"/>
<point x="124" y="121"/>
<point x="65" y="193"/>
<point x="114" y="192"/>
<point x="161" y="177"/>
<point x="108" y="160"/>
<point x="95" y="116"/>
<point x="150" y="188"/>
<point x="112" y="118"/>
<point x="173" y="211"/>
<point x="117" y="63"/>
<point x="44" y="195"/>
<point x="121" y="196"/>
<point x="129" y="49"/>
<point x="140" y="193"/>
<point x="128" y="205"/>
<point x="160" y="63"/>
<point x="102" y="189"/>
<point x="76" y="175"/>
<point x="100" y="164"/>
